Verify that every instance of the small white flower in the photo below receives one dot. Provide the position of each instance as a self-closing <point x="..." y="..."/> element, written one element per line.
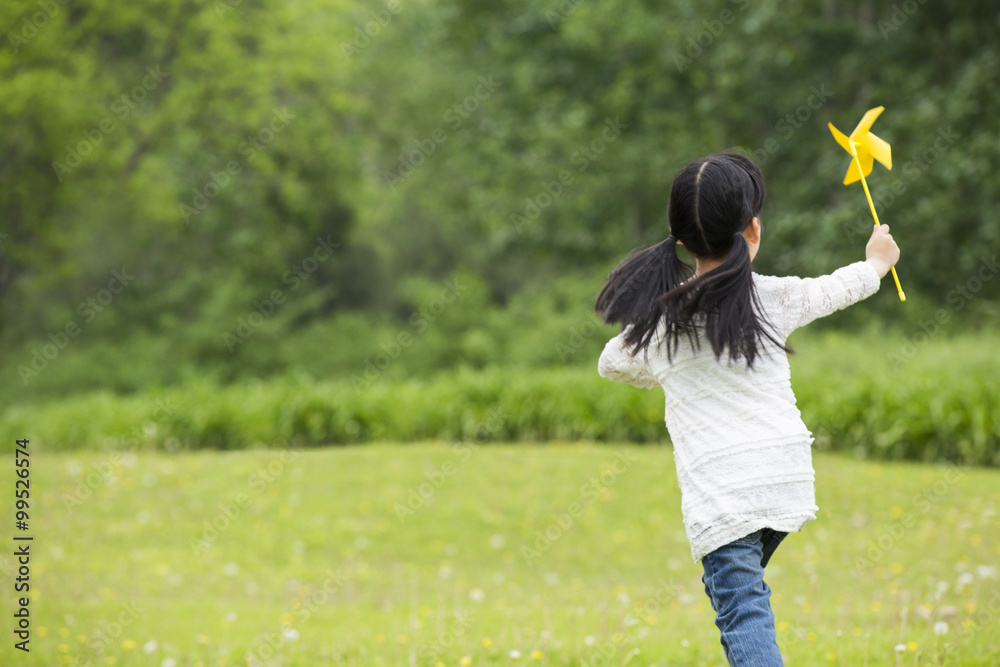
<point x="986" y="572"/>
<point x="623" y="598"/>
<point x="940" y="628"/>
<point x="291" y="634"/>
<point x="685" y="643"/>
<point x="589" y="640"/>
<point x="168" y="662"/>
<point x="965" y="579"/>
<point x="497" y="541"/>
<point x="231" y="617"/>
<point x="515" y="654"/>
<point x="150" y="646"/>
<point x="477" y="595"/>
<point x="231" y="569"/>
<point x="900" y="648"/>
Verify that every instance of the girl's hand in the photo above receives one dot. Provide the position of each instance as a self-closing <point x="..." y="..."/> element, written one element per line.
<point x="882" y="252"/>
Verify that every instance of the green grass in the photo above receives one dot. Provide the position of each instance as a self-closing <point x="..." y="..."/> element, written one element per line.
<point x="132" y="539"/>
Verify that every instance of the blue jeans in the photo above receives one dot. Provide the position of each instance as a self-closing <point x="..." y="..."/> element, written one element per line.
<point x="734" y="582"/>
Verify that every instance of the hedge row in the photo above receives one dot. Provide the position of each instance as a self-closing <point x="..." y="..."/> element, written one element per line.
<point x="939" y="403"/>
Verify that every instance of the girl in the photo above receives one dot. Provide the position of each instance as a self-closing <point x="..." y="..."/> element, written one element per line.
<point x="713" y="337"/>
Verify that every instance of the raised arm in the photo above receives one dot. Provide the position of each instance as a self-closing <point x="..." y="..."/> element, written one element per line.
<point x="802" y="300"/>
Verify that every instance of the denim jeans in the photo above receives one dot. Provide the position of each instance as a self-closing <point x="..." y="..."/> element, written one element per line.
<point x="734" y="582"/>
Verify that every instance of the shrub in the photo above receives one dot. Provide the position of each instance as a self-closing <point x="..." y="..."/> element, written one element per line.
<point x="937" y="405"/>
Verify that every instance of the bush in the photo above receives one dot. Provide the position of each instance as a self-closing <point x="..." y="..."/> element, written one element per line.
<point x="932" y="403"/>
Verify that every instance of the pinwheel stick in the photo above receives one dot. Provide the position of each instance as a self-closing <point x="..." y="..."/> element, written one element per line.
<point x="864" y="184"/>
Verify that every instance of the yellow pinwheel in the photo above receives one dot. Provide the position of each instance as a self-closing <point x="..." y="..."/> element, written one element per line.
<point x="865" y="148"/>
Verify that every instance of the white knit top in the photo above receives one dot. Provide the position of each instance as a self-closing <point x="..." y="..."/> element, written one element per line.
<point x="742" y="452"/>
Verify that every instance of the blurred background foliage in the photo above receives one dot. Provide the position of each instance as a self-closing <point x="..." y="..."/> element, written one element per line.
<point x="476" y="169"/>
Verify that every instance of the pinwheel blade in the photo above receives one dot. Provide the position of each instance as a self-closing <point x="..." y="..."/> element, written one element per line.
<point x="878" y="149"/>
<point x="866" y="123"/>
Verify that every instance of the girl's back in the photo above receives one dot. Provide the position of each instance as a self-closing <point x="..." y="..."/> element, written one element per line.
<point x="741" y="448"/>
<point x="715" y="342"/>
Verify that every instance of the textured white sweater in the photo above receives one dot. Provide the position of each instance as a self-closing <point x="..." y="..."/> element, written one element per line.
<point x="742" y="452"/>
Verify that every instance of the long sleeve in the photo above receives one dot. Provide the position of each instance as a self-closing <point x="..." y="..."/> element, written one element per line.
<point x="617" y="365"/>
<point x="802" y="300"/>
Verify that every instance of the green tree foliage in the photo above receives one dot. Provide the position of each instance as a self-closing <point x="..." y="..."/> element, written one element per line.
<point x="290" y="184"/>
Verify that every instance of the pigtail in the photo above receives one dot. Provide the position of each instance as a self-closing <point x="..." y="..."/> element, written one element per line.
<point x="630" y="296"/>
<point x="728" y="306"/>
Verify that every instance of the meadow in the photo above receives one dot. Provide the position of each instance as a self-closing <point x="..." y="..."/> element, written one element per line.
<point x="465" y="554"/>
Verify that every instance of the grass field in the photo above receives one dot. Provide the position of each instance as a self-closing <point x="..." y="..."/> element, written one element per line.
<point x="479" y="555"/>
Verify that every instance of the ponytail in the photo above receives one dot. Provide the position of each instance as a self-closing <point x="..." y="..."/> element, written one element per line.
<point x="722" y="302"/>
<point x="631" y="295"/>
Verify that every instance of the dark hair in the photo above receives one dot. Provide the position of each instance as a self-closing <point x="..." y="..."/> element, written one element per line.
<point x="712" y="201"/>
